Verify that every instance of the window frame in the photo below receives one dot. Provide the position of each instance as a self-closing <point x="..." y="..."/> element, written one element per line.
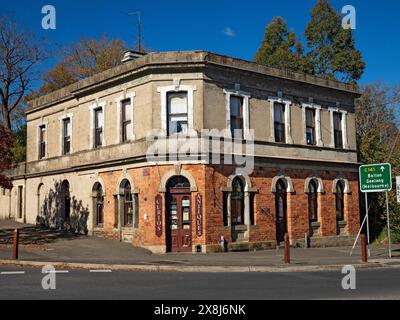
<point x="183" y="115"/>
<point x="280" y="125"/>
<point x="339" y="200"/>
<point x="313" y="127"/>
<point x="66" y="140"/>
<point x="338" y="132"/>
<point x="239" y="118"/>
<point x="313" y="201"/>
<point x="98" y="131"/>
<point x="42" y="141"/>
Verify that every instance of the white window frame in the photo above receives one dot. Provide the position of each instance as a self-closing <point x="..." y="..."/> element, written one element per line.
<point x="92" y="108"/>
<point x="61" y="119"/>
<point x="318" y="134"/>
<point x="164" y="90"/>
<point x="41" y="124"/>
<point x="246" y="112"/>
<point x="288" y="118"/>
<point x="129" y="96"/>
<point x="344" y="127"/>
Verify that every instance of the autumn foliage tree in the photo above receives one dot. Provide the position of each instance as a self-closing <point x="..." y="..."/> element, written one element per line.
<point x="6" y="144"/>
<point x="81" y="60"/>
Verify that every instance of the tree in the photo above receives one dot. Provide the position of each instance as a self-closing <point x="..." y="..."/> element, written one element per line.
<point x="18" y="55"/>
<point x="332" y="48"/>
<point x="81" y="60"/>
<point x="6" y="144"/>
<point x="19" y="148"/>
<point x="378" y="140"/>
<point x="281" y="48"/>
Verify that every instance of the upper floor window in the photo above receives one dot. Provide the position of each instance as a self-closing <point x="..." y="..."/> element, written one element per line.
<point x="279" y="122"/>
<point x="98" y="127"/>
<point x="67" y="136"/>
<point x="337" y="130"/>
<point x="126" y="120"/>
<point x="310" y="126"/>
<point x="236" y="107"/>
<point x="42" y="142"/>
<point x="177" y="112"/>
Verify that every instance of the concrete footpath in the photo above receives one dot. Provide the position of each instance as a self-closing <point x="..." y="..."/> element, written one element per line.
<point x="40" y="247"/>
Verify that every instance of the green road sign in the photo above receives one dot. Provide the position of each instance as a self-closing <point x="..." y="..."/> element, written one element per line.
<point x="376" y="178"/>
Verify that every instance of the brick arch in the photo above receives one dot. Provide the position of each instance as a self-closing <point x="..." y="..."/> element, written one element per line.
<point x="319" y="182"/>
<point x="123" y="177"/>
<point x="288" y="183"/>
<point x="345" y="183"/>
<point x="245" y="178"/>
<point x="172" y="173"/>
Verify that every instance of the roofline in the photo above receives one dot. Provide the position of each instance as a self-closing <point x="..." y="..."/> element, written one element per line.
<point x="192" y="58"/>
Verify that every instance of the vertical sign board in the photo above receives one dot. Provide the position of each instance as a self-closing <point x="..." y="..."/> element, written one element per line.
<point x="199" y="215"/>
<point x="158" y="206"/>
<point x="398" y="189"/>
<point x="376" y="178"/>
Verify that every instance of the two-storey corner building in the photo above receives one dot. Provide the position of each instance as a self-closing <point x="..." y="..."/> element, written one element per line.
<point x="92" y="167"/>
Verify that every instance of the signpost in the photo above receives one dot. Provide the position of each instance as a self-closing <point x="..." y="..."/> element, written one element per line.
<point x="398" y="189"/>
<point x="375" y="178"/>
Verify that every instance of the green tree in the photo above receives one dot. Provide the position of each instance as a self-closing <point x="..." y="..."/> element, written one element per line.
<point x="331" y="48"/>
<point x="378" y="140"/>
<point x="280" y="48"/>
<point x="19" y="149"/>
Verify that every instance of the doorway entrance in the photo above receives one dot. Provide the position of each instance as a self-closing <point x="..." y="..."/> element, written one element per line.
<point x="281" y="210"/>
<point x="179" y="215"/>
<point x="65" y="201"/>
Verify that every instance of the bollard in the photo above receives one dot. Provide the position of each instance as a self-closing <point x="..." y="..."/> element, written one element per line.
<point x="287" y="249"/>
<point x="364" y="248"/>
<point x="15" y="244"/>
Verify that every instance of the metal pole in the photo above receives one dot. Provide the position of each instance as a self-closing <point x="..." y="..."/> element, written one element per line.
<point x="388" y="225"/>
<point x="366" y="212"/>
<point x="358" y="235"/>
<point x="15" y="244"/>
<point x="287" y="249"/>
<point x="363" y="249"/>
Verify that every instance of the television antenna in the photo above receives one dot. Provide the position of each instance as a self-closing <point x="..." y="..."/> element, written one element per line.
<point x="139" y="27"/>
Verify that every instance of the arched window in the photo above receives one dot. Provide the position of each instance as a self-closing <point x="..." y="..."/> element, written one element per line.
<point x="313" y="201"/>
<point x="127" y="204"/>
<point x="98" y="204"/>
<point x="237" y="202"/>
<point x="281" y="210"/>
<point x="339" y="201"/>
<point x="41" y="200"/>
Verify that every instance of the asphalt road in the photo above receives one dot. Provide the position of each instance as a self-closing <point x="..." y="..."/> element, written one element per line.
<point x="83" y="284"/>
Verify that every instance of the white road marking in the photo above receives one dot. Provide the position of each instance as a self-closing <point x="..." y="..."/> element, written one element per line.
<point x="100" y="271"/>
<point x="12" y="272"/>
<point x="56" y="271"/>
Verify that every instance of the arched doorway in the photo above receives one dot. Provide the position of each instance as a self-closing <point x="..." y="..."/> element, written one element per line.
<point x="98" y="204"/>
<point x="179" y="216"/>
<point x="281" y="210"/>
<point x="65" y="201"/>
<point x="41" y="203"/>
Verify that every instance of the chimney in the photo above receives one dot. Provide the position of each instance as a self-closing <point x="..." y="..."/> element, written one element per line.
<point x="131" y="55"/>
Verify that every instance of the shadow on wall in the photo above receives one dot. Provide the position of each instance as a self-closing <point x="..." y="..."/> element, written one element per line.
<point x="59" y="211"/>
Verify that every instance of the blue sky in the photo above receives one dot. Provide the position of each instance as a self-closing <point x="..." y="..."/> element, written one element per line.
<point x="233" y="28"/>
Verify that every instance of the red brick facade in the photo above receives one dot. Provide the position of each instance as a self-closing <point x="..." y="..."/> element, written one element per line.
<point x="211" y="181"/>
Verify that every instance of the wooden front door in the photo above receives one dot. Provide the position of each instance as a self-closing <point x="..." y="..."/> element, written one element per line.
<point x="179" y="230"/>
<point x="281" y="217"/>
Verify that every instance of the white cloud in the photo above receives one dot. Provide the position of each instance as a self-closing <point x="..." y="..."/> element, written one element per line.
<point x="229" y="32"/>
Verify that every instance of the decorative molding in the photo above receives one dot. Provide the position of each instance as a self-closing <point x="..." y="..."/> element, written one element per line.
<point x="320" y="184"/>
<point x="344" y="127"/>
<point x="288" y="183"/>
<point x="172" y="173"/>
